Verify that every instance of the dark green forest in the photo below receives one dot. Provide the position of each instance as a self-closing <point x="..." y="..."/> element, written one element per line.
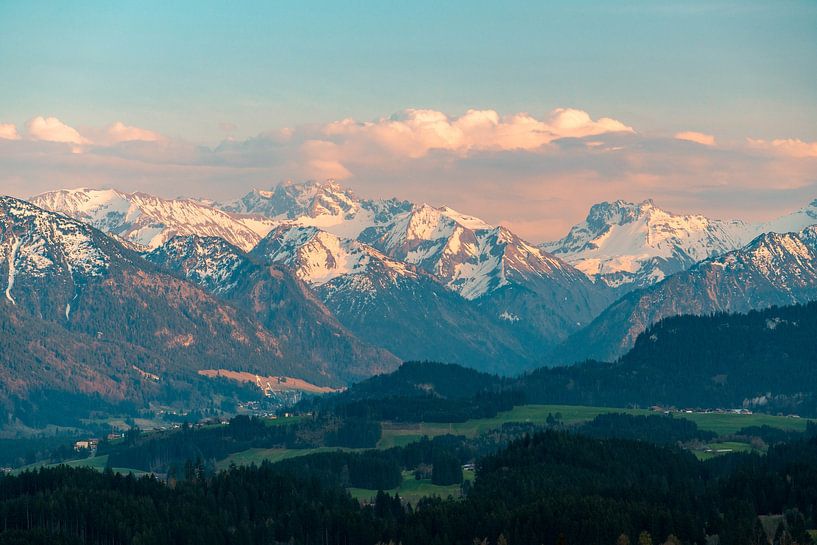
<point x="765" y="360"/>
<point x="550" y="488"/>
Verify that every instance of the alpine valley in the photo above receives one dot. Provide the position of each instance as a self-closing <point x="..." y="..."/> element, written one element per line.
<point x="114" y="299"/>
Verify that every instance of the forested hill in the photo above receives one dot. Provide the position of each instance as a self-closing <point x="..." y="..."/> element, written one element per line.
<point x="423" y="391"/>
<point x="764" y="360"/>
<point x="421" y="378"/>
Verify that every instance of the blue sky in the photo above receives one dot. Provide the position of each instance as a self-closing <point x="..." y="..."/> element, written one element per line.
<point x="735" y="68"/>
<point x="705" y="106"/>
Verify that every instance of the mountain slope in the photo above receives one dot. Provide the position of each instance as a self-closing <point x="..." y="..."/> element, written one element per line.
<point x="632" y="245"/>
<point x="150" y="221"/>
<point x="391" y="304"/>
<point x="304" y="327"/>
<point x="774" y="269"/>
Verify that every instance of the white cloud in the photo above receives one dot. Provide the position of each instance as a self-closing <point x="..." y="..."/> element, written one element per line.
<point x="697" y="137"/>
<point x="8" y="132"/>
<point x="791" y="146"/>
<point x="51" y="129"/>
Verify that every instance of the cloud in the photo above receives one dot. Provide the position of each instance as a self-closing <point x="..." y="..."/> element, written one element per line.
<point x="791" y="147"/>
<point x="8" y="132"/>
<point x="537" y="175"/>
<point x="324" y="160"/>
<point x="414" y="133"/>
<point x="697" y="137"/>
<point x="119" y="132"/>
<point x="51" y="129"/>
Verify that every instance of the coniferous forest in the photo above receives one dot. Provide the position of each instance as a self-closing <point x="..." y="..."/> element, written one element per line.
<point x="549" y="488"/>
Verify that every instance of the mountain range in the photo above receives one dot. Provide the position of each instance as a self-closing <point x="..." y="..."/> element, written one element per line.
<point x="772" y="270"/>
<point x="310" y="281"/>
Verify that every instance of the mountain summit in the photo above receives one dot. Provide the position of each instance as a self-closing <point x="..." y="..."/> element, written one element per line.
<point x="149" y="221"/>
<point x="631" y="245"/>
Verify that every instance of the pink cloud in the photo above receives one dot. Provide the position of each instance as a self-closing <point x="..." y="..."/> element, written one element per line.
<point x="791" y="146"/>
<point x="697" y="137"/>
<point x="51" y="129"/>
<point x="119" y="132"/>
<point x="538" y="175"/>
<point x="414" y="133"/>
<point x="8" y="132"/>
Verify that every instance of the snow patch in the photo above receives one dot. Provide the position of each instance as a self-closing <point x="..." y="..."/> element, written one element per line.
<point x="12" y="269"/>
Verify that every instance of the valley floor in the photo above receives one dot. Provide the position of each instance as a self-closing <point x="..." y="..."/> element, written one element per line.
<point x="400" y="434"/>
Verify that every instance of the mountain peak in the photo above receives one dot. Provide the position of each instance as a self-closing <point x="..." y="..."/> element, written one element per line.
<point x="319" y="257"/>
<point x="210" y="262"/>
<point x="147" y="220"/>
<point x="636" y="244"/>
<point x="620" y="212"/>
<point x="791" y="223"/>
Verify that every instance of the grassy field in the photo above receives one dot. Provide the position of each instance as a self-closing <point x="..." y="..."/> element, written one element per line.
<point x="724" y="447"/>
<point x="258" y="455"/>
<point x="398" y="434"/>
<point x="96" y="462"/>
<point x="412" y="490"/>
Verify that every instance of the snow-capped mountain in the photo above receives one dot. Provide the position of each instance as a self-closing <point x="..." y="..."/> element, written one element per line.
<point x="377" y="299"/>
<point x="209" y="262"/>
<point x="790" y="223"/>
<point x="48" y="259"/>
<point x="391" y="271"/>
<point x="318" y="257"/>
<point x="633" y="245"/>
<point x="84" y="315"/>
<point x="304" y="327"/>
<point x="773" y="269"/>
<point x="543" y="296"/>
<point x="149" y="221"/>
<point x="326" y="205"/>
<point x="393" y="304"/>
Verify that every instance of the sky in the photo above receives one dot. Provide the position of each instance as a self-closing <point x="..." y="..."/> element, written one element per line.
<point x="523" y="113"/>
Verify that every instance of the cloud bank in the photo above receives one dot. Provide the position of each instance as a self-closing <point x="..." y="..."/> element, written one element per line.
<point x="536" y="174"/>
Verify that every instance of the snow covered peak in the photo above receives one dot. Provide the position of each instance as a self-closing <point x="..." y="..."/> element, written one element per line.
<point x="290" y="200"/>
<point x="318" y="257"/>
<point x="36" y="241"/>
<point x="638" y="244"/>
<point x="326" y="205"/>
<point x="150" y="221"/>
<point x="210" y="262"/>
<point x="774" y="254"/>
<point x="468" y="255"/>
<point x="46" y="258"/>
<point x="791" y="223"/>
